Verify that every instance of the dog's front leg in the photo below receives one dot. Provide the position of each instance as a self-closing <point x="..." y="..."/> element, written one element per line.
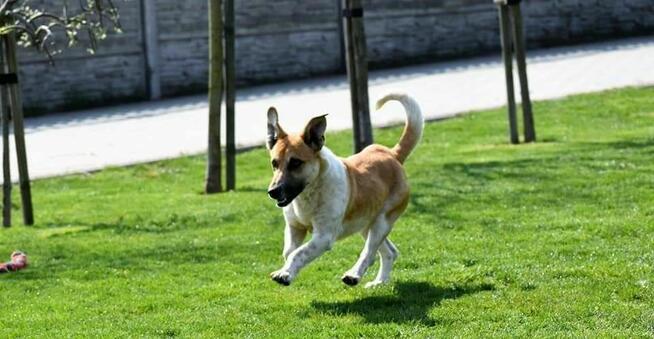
<point x="293" y="238"/>
<point x="319" y="244"/>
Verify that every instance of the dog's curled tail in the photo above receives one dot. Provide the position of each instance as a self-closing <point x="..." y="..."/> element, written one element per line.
<point x="413" y="128"/>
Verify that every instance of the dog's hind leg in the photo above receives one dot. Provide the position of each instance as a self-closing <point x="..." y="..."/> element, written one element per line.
<point x="375" y="238"/>
<point x="388" y="253"/>
<point x="387" y="250"/>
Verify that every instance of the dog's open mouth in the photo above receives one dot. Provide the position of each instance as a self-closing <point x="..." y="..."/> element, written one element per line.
<point x="284" y="203"/>
<point x="288" y="194"/>
<point x="288" y="198"/>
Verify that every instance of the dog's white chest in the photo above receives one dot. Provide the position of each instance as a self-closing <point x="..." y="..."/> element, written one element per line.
<point x="325" y="201"/>
<point x="302" y="212"/>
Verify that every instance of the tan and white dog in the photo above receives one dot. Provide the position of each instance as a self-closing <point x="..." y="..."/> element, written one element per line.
<point x="333" y="197"/>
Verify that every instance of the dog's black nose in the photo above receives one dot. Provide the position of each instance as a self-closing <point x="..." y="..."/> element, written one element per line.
<point x="275" y="192"/>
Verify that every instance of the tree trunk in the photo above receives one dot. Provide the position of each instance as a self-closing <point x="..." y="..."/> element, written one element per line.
<point x="19" y="131"/>
<point x="507" y="57"/>
<point x="230" y="94"/>
<point x="213" y="178"/>
<point x="151" y="44"/>
<point x="521" y="61"/>
<point x="357" y="72"/>
<point x="6" y="172"/>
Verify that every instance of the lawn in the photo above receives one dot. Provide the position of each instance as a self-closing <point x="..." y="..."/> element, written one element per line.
<point x="554" y="238"/>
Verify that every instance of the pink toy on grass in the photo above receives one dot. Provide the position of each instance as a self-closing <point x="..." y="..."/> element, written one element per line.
<point x="18" y="262"/>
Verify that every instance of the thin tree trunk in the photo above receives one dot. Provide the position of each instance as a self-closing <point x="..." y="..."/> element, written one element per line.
<point x="361" y="60"/>
<point x="357" y="71"/>
<point x="230" y="94"/>
<point x="507" y="56"/>
<point x="19" y="131"/>
<point x="351" y="72"/>
<point x="151" y="44"/>
<point x="214" y="165"/>
<point x="6" y="172"/>
<point x="521" y="61"/>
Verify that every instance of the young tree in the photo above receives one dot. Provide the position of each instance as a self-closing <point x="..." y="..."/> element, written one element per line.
<point x="40" y="28"/>
<point x="214" y="164"/>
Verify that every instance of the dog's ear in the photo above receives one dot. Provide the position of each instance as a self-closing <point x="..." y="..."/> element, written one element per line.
<point x="274" y="130"/>
<point x="314" y="133"/>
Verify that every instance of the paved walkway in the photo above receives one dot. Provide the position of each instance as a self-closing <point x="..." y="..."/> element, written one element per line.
<point x="121" y="135"/>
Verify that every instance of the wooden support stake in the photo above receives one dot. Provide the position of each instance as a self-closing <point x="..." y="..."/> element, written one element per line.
<point x="151" y="47"/>
<point x="341" y="42"/>
<point x="357" y="71"/>
<point x="521" y="60"/>
<point x="19" y="131"/>
<point x="351" y="74"/>
<point x="230" y="93"/>
<point x="6" y="170"/>
<point x="505" y="37"/>
<point x="214" y="162"/>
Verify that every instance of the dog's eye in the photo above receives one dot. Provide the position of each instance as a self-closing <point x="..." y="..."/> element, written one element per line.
<point x="294" y="164"/>
<point x="275" y="164"/>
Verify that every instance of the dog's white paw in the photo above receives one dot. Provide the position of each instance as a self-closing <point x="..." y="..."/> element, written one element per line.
<point x="350" y="279"/>
<point x="282" y="276"/>
<point x="375" y="283"/>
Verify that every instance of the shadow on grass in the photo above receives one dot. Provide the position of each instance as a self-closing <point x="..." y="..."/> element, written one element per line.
<point x="536" y="179"/>
<point x="162" y="225"/>
<point x="638" y="145"/>
<point x="411" y="302"/>
<point x="545" y="167"/>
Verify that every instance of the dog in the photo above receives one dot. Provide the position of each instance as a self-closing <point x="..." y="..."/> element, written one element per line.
<point x="333" y="198"/>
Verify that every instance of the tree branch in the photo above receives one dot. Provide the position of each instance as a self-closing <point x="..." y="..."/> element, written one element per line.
<point x="38" y="27"/>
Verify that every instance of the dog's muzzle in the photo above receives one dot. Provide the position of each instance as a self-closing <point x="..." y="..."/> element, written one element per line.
<point x="276" y="192"/>
<point x="279" y="195"/>
<point x="284" y="194"/>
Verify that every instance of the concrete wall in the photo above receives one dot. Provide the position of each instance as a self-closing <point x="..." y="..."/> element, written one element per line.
<point x="274" y="40"/>
<point x="401" y="31"/>
<point x="290" y="39"/>
<point x="78" y="79"/>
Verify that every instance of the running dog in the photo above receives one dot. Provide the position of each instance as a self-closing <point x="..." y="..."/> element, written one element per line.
<point x="334" y="198"/>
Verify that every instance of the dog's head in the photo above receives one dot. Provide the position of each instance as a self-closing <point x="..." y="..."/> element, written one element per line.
<point x="294" y="158"/>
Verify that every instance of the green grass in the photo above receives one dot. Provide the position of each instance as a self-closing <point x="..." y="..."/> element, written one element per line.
<point x="548" y="239"/>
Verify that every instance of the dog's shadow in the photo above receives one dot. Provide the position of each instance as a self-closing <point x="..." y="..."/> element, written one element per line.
<point x="410" y="302"/>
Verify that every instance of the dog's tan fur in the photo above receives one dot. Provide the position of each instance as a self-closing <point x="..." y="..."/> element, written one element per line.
<point x="334" y="197"/>
<point x="376" y="179"/>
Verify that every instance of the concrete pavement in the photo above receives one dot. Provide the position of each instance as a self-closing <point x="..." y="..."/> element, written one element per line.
<point x="135" y="133"/>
